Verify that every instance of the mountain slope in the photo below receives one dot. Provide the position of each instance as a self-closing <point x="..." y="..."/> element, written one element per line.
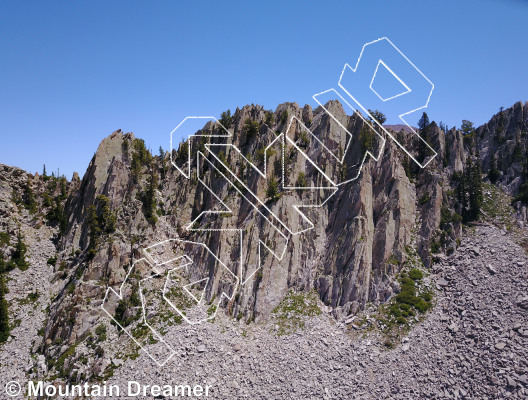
<point x="393" y="218"/>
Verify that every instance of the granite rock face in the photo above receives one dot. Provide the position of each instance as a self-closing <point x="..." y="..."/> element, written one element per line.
<point x="350" y="257"/>
<point x="360" y="240"/>
<point x="505" y="138"/>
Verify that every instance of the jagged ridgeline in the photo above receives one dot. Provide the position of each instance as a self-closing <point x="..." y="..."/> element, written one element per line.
<point x="392" y="218"/>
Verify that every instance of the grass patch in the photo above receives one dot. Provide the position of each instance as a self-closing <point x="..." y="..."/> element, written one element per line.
<point x="29" y="299"/>
<point x="496" y="205"/>
<point x="293" y="309"/>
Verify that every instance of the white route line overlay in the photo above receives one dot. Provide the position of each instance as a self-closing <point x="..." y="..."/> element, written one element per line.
<point x="409" y="90"/>
<point x="283" y="137"/>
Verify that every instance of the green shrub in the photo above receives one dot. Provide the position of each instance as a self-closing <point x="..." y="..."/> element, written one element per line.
<point x="303" y="139"/>
<point x="409" y="300"/>
<point x="427" y="296"/>
<point x="435" y="247"/>
<point x="59" y="364"/>
<point x="5" y="239"/>
<point x="415" y="274"/>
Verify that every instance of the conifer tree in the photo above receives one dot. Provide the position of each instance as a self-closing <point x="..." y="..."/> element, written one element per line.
<point x="493" y="172"/>
<point x="106" y="219"/>
<point x="460" y="180"/>
<point x="101" y="221"/>
<point x="423" y="125"/>
<point x="469" y="190"/>
<point x="377" y="116"/>
<point x="272" y="191"/>
<point x="475" y="192"/>
<point x="226" y="119"/>
<point x="467" y="127"/>
<point x="367" y="138"/>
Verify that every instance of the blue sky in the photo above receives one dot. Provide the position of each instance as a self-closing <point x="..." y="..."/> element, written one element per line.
<point x="73" y="72"/>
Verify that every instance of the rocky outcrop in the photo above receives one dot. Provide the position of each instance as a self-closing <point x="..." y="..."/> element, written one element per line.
<point x="504" y="137"/>
<point x="358" y="244"/>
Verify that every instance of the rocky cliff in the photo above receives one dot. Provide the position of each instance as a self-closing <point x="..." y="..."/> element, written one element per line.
<point x="360" y="239"/>
<point x="505" y="138"/>
<point x="349" y="249"/>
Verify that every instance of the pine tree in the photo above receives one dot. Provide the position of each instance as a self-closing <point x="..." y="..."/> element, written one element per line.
<point x="467" y="127"/>
<point x="56" y="214"/>
<point x="377" y="116"/>
<point x="4" y="313"/>
<point x="367" y="138"/>
<point x="423" y="125"/>
<point x="105" y="217"/>
<point x="469" y="190"/>
<point x="269" y="119"/>
<point x="44" y="174"/>
<point x="272" y="191"/>
<point x="101" y="221"/>
<point x="475" y="192"/>
<point x="251" y="128"/>
<point x="226" y="119"/>
<point x="460" y="180"/>
<point x="493" y="172"/>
